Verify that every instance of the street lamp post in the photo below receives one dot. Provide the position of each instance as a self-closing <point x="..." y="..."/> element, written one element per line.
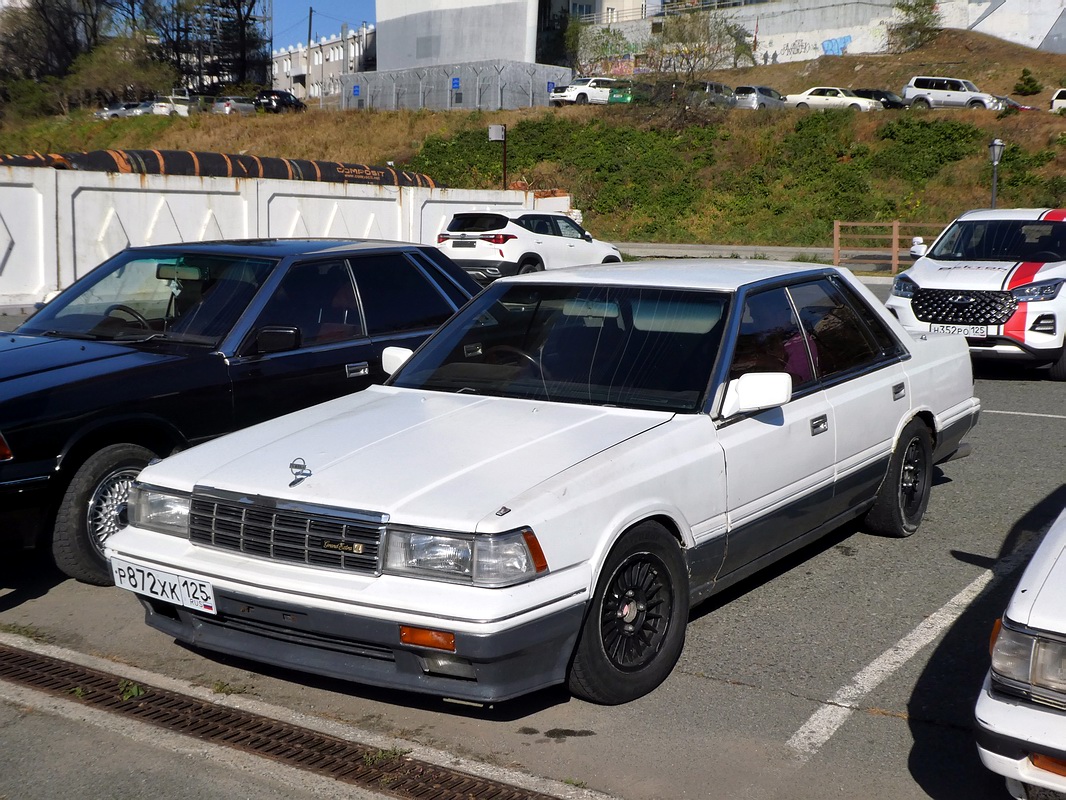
<point x="498" y="133"/>
<point x="995" y="153"/>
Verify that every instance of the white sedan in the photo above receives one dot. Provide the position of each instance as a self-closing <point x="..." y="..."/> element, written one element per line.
<point x="1021" y="730"/>
<point x="540" y="493"/>
<point x="822" y="97"/>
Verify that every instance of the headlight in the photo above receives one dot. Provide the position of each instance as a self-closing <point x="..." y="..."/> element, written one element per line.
<point x="1033" y="660"/>
<point x="1036" y="292"/>
<point x="498" y="560"/>
<point x="904" y="287"/>
<point x="158" y="510"/>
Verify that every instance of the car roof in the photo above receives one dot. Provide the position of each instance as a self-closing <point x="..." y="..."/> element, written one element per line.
<point x="722" y="274"/>
<point x="512" y="213"/>
<point x="277" y="248"/>
<point x="1035" y="214"/>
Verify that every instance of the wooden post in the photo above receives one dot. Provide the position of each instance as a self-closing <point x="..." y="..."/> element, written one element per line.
<point x="836" y="243"/>
<point x="895" y="246"/>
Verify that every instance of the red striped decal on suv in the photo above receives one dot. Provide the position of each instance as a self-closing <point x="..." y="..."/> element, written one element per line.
<point x="1025" y="273"/>
<point x="1055" y="215"/>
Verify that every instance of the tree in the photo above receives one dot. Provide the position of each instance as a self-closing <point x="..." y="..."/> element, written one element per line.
<point x="122" y="68"/>
<point x="1028" y="85"/>
<point x="693" y="42"/>
<point x="919" y="22"/>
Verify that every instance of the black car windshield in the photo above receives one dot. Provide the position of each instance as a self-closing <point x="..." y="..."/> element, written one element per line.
<point x="635" y="347"/>
<point x="192" y="297"/>
<point x="1002" y="240"/>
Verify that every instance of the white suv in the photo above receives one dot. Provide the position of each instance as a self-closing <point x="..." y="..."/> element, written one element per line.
<point x="491" y="244"/>
<point x="581" y="91"/>
<point x="996" y="278"/>
<point x="934" y="92"/>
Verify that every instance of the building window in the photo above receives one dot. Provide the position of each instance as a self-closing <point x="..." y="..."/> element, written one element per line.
<point x="582" y="9"/>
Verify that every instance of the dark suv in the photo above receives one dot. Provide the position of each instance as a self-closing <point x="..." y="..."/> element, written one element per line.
<point x="276" y="101"/>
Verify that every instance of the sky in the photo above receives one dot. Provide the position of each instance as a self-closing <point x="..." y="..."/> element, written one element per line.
<point x="290" y="18"/>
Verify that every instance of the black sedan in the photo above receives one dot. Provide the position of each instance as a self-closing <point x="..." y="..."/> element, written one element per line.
<point x="162" y="347"/>
<point x="889" y="100"/>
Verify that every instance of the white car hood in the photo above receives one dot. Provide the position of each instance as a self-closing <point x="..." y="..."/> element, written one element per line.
<point x="424" y="458"/>
<point x="981" y="275"/>
<point x="1040" y="600"/>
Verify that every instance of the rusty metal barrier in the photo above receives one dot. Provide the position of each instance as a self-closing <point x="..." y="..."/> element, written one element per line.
<point x="878" y="244"/>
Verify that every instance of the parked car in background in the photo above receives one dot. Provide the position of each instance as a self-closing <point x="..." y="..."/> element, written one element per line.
<point x="162" y="347"/>
<point x="233" y="105"/>
<point x="540" y="493"/>
<point x="582" y="90"/>
<point x="935" y="92"/>
<point x="144" y="107"/>
<point x="1018" y="718"/>
<point x="631" y="92"/>
<point x="115" y="111"/>
<point x="175" y="106"/>
<point x="491" y="244"/>
<point x="993" y="278"/>
<point x="1009" y="103"/>
<point x="709" y="94"/>
<point x="1058" y="101"/>
<point x="758" y="97"/>
<point x="276" y="101"/>
<point x="819" y="98"/>
<point x="890" y="100"/>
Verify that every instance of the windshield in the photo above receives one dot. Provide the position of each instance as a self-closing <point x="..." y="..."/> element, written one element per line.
<point x="1002" y="240"/>
<point x="647" y="348"/>
<point x="194" y="298"/>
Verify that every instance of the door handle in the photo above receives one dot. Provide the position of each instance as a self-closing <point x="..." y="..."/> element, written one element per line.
<point x="360" y="370"/>
<point x="899" y="391"/>
<point x="819" y="425"/>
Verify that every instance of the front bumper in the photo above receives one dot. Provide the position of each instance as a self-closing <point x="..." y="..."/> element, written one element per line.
<point x="1010" y="731"/>
<point x="500" y="665"/>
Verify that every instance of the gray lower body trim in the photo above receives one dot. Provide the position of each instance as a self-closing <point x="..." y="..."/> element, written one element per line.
<point x="352" y="648"/>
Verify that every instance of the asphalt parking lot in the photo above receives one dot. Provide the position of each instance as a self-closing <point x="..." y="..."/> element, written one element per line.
<point x="849" y="670"/>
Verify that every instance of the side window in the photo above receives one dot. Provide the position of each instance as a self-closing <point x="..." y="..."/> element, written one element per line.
<point x="839" y="338"/>
<point x="396" y="295"/>
<point x="922" y="83"/>
<point x="319" y="299"/>
<point x="883" y="337"/>
<point x="569" y="229"/>
<point x="440" y="274"/>
<point x="954" y="86"/>
<point x="770" y="340"/>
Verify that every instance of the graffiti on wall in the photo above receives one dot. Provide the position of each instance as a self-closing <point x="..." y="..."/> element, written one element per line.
<point x="837" y="46"/>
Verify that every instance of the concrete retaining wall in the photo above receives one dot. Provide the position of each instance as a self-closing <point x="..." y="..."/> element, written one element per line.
<point x="56" y="225"/>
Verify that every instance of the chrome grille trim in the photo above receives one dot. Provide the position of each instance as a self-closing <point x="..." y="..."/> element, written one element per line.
<point x="284" y="531"/>
<point x="982" y="308"/>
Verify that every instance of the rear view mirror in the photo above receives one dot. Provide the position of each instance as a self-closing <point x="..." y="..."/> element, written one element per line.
<point x="756" y="391"/>
<point x="392" y="358"/>
<point x="178" y="272"/>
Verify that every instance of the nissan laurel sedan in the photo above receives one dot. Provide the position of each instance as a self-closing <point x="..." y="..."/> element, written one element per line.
<point x="162" y="347"/>
<point x="539" y="494"/>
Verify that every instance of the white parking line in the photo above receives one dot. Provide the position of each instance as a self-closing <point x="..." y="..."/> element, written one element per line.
<point x="824" y="722"/>
<point x="1025" y="414"/>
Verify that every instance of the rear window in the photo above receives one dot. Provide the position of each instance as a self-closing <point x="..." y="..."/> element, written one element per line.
<point x="744" y="90"/>
<point x="476" y="223"/>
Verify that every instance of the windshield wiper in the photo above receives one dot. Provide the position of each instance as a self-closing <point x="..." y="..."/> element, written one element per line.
<point x="71" y="335"/>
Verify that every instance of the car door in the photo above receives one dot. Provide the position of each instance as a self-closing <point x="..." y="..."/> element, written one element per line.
<point x="779" y="462"/>
<point x="573" y="247"/>
<point x="859" y="364"/>
<point x="346" y="311"/>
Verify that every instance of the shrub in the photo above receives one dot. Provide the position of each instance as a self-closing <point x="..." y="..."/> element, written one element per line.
<point x="1028" y="85"/>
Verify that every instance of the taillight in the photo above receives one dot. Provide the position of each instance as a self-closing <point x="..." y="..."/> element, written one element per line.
<point x="5" y="451"/>
<point x="442" y="237"/>
<point x="498" y="238"/>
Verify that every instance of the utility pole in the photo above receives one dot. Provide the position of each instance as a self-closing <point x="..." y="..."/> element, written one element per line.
<point x="307" y="80"/>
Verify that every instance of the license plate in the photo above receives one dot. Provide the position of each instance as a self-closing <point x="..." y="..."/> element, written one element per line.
<point x="972" y="331"/>
<point x="461" y="243"/>
<point x="172" y="587"/>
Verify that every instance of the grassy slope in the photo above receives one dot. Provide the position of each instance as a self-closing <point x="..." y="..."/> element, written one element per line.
<point x="639" y="173"/>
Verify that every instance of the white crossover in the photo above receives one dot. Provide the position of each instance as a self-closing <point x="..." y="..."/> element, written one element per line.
<point x="1021" y="727"/>
<point x="994" y="278"/>
<point x="540" y="493"/>
<point x="581" y="91"/>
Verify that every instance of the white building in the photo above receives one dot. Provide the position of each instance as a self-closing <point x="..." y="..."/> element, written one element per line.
<point x="318" y="72"/>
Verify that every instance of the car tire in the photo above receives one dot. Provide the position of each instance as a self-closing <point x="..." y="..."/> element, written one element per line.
<point x="93" y="508"/>
<point x="855" y="107"/>
<point x="762" y="106"/>
<point x="1058" y="369"/>
<point x="530" y="265"/>
<point x="634" y="628"/>
<point x="802" y="106"/>
<point x="582" y="99"/>
<point x="977" y="104"/>
<point x="904" y="495"/>
<point x="920" y="103"/>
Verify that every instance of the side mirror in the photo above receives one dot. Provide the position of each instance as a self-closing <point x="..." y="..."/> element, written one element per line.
<point x="756" y="391"/>
<point x="918" y="250"/>
<point x="277" y="339"/>
<point x="587" y="237"/>
<point x="392" y="358"/>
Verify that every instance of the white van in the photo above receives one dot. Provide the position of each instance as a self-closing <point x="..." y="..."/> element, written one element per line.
<point x="1058" y="101"/>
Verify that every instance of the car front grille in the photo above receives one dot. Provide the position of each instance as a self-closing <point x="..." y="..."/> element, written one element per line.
<point x="963" y="307"/>
<point x="283" y="531"/>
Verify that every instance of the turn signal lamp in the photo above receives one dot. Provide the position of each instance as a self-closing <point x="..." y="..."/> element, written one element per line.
<point x="424" y="637"/>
